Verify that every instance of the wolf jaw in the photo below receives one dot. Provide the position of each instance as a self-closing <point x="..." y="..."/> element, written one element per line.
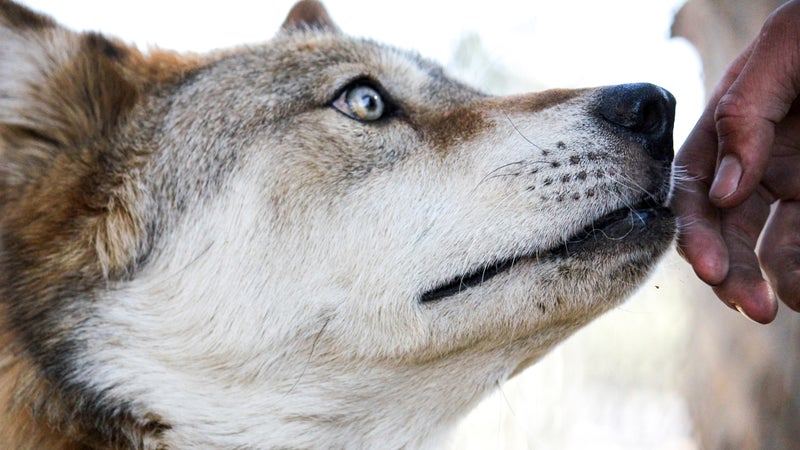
<point x="623" y="223"/>
<point x="205" y="252"/>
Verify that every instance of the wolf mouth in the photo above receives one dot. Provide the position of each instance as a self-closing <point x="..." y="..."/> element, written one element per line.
<point x="614" y="226"/>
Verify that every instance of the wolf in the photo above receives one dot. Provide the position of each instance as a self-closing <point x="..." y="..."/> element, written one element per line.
<point x="316" y="242"/>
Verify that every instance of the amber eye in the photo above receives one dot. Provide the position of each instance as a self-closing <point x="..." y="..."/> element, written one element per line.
<point x="361" y="102"/>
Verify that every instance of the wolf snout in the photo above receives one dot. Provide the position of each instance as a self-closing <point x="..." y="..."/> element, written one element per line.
<point x="643" y="109"/>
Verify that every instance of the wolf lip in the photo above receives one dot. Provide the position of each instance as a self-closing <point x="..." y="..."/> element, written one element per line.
<point x="618" y="223"/>
<point x="614" y="226"/>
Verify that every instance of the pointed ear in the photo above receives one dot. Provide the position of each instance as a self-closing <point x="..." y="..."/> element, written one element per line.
<point x="308" y="14"/>
<point x="64" y="97"/>
<point x="58" y="87"/>
<point x="16" y="16"/>
<point x="60" y="90"/>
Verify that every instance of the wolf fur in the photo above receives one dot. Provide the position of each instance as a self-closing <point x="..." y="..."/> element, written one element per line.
<point x="215" y="251"/>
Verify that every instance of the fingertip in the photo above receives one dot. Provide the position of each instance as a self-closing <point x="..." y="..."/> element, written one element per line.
<point x="762" y="315"/>
<point x="787" y="290"/>
<point x="779" y="252"/>
<point x="757" y="303"/>
<point x="794" y="306"/>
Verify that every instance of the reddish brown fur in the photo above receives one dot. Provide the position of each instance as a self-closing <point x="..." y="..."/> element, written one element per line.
<point x="465" y="122"/>
<point x="448" y="130"/>
<point x="531" y="103"/>
<point x="19" y="383"/>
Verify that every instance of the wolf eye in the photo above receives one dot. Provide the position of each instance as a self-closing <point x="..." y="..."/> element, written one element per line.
<point x="361" y="102"/>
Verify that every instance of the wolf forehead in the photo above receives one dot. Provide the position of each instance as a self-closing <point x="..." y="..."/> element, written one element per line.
<point x="278" y="87"/>
<point x="309" y="67"/>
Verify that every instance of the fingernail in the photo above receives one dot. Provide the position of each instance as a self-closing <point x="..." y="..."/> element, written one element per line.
<point x="727" y="179"/>
<point x="741" y="311"/>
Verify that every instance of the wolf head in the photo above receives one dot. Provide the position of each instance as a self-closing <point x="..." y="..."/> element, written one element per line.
<point x="320" y="241"/>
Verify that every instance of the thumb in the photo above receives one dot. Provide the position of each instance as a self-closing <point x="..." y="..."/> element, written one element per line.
<point x="758" y="99"/>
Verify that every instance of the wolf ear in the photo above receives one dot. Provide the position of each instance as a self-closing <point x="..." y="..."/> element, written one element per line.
<point x="17" y="16"/>
<point x="58" y="89"/>
<point x="308" y="14"/>
<point x="63" y="96"/>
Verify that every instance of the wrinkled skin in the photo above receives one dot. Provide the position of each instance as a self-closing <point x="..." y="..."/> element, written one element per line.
<point x="741" y="160"/>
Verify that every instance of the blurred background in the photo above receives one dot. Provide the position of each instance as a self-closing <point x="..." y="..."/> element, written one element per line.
<point x="671" y="369"/>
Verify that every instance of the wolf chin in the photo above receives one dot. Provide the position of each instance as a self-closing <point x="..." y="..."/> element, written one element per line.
<point x="318" y="242"/>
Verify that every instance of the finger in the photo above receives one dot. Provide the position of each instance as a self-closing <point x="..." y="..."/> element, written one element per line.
<point x="700" y="239"/>
<point x="759" y="98"/>
<point x="744" y="288"/>
<point x="780" y="252"/>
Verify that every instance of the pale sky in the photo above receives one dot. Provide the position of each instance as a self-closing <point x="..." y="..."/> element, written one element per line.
<point x="560" y="43"/>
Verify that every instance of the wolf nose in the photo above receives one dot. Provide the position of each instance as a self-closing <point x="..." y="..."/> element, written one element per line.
<point x="643" y="109"/>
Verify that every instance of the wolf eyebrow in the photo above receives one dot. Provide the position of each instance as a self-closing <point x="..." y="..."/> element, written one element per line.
<point x="362" y="79"/>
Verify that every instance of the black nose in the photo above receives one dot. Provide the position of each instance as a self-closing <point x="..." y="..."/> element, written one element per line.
<point x="645" y="110"/>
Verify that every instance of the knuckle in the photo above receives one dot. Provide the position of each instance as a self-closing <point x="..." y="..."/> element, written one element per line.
<point x="782" y="19"/>
<point x="732" y="105"/>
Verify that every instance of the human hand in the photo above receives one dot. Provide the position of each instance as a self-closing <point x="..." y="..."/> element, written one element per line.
<point x="748" y="142"/>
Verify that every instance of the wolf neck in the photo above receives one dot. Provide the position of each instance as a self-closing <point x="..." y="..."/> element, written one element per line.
<point x="298" y="404"/>
<point x="264" y="386"/>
